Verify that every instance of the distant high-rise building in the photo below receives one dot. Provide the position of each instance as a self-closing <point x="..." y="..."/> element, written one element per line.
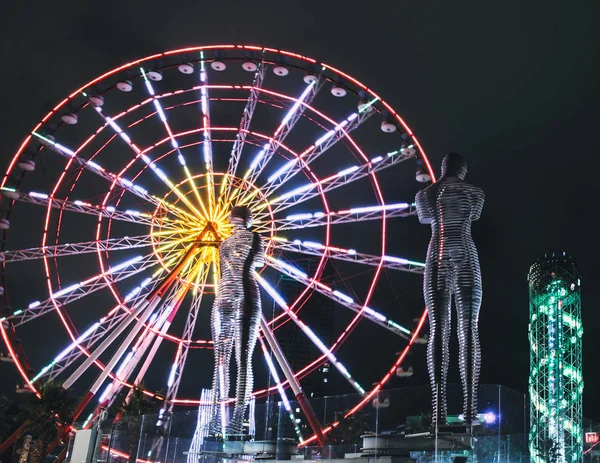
<point x="317" y="313"/>
<point x="555" y="372"/>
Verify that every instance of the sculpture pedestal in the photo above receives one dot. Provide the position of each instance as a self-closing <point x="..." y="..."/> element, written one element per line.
<point x="281" y="449"/>
<point x="449" y="438"/>
<point x="240" y="450"/>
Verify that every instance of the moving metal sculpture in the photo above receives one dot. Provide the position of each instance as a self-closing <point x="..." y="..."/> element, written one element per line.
<point x="452" y="269"/>
<point x="235" y="319"/>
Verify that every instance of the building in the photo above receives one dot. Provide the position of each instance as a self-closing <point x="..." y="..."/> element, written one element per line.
<point x="317" y="314"/>
<point x="555" y="374"/>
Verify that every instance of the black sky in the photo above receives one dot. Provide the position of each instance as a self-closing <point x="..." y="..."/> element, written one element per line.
<point x="512" y="85"/>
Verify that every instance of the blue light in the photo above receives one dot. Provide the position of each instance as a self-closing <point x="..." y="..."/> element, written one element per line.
<point x="489" y="417"/>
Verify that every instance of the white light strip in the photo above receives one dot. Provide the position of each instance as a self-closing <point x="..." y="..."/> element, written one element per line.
<point x="385" y="207"/>
<point x="309" y="333"/>
<point x="289" y="267"/>
<point x="295" y="107"/>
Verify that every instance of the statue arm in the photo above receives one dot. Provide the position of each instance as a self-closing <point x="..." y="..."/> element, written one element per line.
<point x="260" y="258"/>
<point x="478" y="200"/>
<point x="422" y="209"/>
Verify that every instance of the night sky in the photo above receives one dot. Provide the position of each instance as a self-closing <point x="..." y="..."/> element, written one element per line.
<point x="511" y="85"/>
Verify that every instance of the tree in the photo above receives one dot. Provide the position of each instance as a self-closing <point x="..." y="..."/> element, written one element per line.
<point x="132" y="412"/>
<point x="350" y="429"/>
<point x="49" y="414"/>
<point x="7" y="417"/>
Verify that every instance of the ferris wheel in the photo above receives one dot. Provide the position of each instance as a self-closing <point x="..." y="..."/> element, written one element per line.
<point x="114" y="206"/>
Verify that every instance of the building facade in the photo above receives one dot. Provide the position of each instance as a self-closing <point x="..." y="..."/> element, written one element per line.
<point x="555" y="375"/>
<point x="317" y="313"/>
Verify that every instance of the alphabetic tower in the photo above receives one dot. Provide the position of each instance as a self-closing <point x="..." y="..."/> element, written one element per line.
<point x="555" y="375"/>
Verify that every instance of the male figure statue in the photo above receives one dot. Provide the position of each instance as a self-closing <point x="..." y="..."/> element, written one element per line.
<point x="235" y="318"/>
<point x="452" y="269"/>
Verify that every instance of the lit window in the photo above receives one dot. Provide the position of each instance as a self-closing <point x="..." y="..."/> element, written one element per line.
<point x="324" y="380"/>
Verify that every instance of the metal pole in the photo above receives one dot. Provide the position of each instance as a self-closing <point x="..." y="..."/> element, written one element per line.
<point x="140" y="438"/>
<point x="110" y="439"/>
<point x="294" y="384"/>
<point x="499" y="422"/>
<point x="377" y="424"/>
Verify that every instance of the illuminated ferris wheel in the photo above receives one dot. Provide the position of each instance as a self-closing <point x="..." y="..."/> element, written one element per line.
<point x="119" y="197"/>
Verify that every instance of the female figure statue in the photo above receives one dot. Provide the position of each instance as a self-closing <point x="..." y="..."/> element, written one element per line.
<point x="235" y="318"/>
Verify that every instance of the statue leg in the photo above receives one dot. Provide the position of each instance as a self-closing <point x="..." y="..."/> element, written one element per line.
<point x="438" y="301"/>
<point x="247" y="323"/>
<point x="468" y="302"/>
<point x="222" y="327"/>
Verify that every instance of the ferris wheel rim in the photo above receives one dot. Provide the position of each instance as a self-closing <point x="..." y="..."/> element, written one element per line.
<point x="196" y="49"/>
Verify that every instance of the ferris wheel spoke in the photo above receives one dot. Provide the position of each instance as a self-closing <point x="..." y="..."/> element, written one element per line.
<point x="158" y="341"/>
<point x="346" y="216"/>
<point x="157" y="325"/>
<point x="96" y="332"/>
<point x="78" y="290"/>
<point x="285" y="127"/>
<point x="76" y="349"/>
<point x="310" y="334"/>
<point x="133" y="216"/>
<point x="240" y="139"/>
<point x="206" y="130"/>
<point x="59" y="250"/>
<point x="183" y="348"/>
<point x="142" y="312"/>
<point x="180" y="157"/>
<point x="280" y="389"/>
<point x="350" y="255"/>
<point x="97" y="169"/>
<point x="338" y="297"/>
<point x="139" y="154"/>
<point x="343" y="177"/>
<point x="314" y="151"/>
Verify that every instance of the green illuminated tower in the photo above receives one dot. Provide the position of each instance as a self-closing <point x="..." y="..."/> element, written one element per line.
<point x="555" y="374"/>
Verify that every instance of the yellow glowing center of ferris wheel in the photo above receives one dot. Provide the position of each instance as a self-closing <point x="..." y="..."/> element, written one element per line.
<point x="202" y="211"/>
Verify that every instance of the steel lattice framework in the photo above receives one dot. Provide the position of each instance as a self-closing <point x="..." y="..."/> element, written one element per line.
<point x="555" y="375"/>
<point x="140" y="169"/>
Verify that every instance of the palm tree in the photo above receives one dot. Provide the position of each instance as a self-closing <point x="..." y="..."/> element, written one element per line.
<point x="46" y="416"/>
<point x="132" y="412"/>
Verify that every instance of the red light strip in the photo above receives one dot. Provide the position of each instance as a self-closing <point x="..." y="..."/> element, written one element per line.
<point x="125" y="66"/>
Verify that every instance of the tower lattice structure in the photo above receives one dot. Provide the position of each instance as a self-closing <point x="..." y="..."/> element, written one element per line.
<point x="555" y="375"/>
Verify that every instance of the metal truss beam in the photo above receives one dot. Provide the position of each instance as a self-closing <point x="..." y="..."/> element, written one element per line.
<point x="341" y="299"/>
<point x="82" y="289"/>
<point x="109" y="176"/>
<point x="296" y="165"/>
<point x="86" y="342"/>
<point x="240" y="139"/>
<point x="141" y="218"/>
<point x="351" y="255"/>
<point x="59" y="250"/>
<point x="344" y="177"/>
<point x="182" y="350"/>
<point x="288" y="123"/>
<point x="320" y="219"/>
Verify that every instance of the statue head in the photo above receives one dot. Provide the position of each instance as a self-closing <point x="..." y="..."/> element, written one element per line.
<point x="242" y="216"/>
<point x="454" y="165"/>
